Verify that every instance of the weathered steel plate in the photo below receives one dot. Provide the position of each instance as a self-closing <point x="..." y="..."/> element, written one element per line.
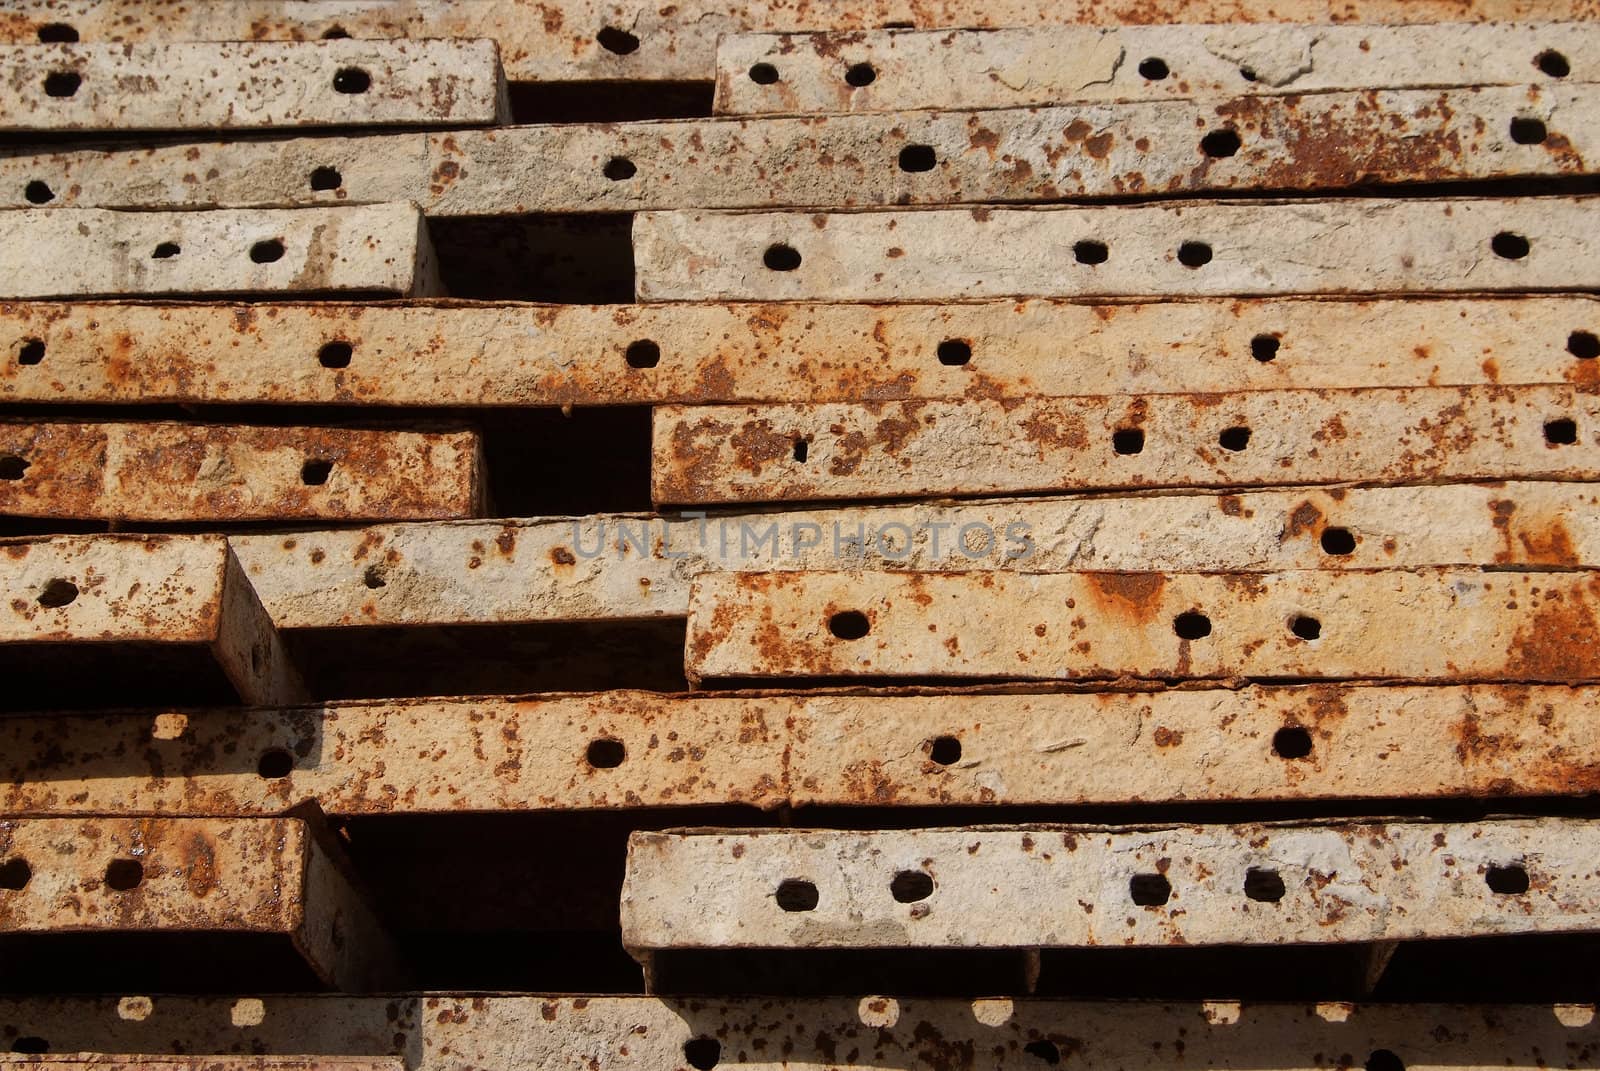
<point x="1321" y="142"/>
<point x="602" y="40"/>
<point x="906" y="748"/>
<point x="1249" y="439"/>
<point x="828" y="72"/>
<point x="264" y="875"/>
<point x="445" y="1031"/>
<point x="346" y="354"/>
<point x="208" y="472"/>
<point x="85" y="252"/>
<point x="117" y="88"/>
<point x="186" y="590"/>
<point x="148" y="1062"/>
<point x="1177" y="249"/>
<point x="1457" y="624"/>
<point x="1065" y="886"/>
<point x="624" y="566"/>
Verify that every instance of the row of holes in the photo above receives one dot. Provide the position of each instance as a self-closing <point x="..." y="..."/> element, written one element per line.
<point x="314" y="472"/>
<point x="952" y="352"/>
<point x="1191" y="625"/>
<point x="1151" y="69"/>
<point x="63" y="84"/>
<point x="322" y="179"/>
<point x="122" y="875"/>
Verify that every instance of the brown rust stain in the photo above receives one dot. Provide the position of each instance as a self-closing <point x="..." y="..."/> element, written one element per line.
<point x="1561" y="641"/>
<point x="1132" y="595"/>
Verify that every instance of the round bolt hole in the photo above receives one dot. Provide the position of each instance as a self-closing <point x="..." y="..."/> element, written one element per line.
<point x="62" y="83"/>
<point x="780" y="257"/>
<point x="1307" y="628"/>
<point x="1508" y="245"/>
<point x="918" y="158"/>
<point x="1191" y="625"/>
<point x="30" y="1045"/>
<point x="617" y="42"/>
<point x="1553" y="63"/>
<point x="1528" y="131"/>
<point x="1089" y="251"/>
<point x="324" y="179"/>
<point x="1149" y="890"/>
<point x="1247" y="74"/>
<point x="335" y="33"/>
<point x="1561" y="432"/>
<point x="702" y="1053"/>
<point x="1127" y="441"/>
<point x="605" y="753"/>
<point x="802" y="450"/>
<point x="1153" y="69"/>
<point x="58" y="593"/>
<point x="15" y="874"/>
<point x="166" y="251"/>
<point x="314" y="473"/>
<point x="1291" y="742"/>
<point x="1507" y="880"/>
<point x="335" y="354"/>
<point x="267" y="251"/>
<point x="1263" y="885"/>
<point x="1338" y="541"/>
<point x="909" y="886"/>
<point x="1234" y="439"/>
<point x="275" y="764"/>
<point x="945" y="750"/>
<point x="1264" y="348"/>
<point x="38" y="192"/>
<point x="1384" y="1060"/>
<point x="849" y="625"/>
<point x="764" y="74"/>
<point x="795" y="894"/>
<point x="352" y="80"/>
<point x="57" y="33"/>
<point x="619" y="169"/>
<point x="124" y="875"/>
<point x="32" y="351"/>
<point x="860" y="74"/>
<point x="1583" y="345"/>
<point x="954" y="352"/>
<point x="373" y="578"/>
<point x="1220" y="143"/>
<point x="642" y="353"/>
<point x="1194" y="254"/>
<point x="13" y="467"/>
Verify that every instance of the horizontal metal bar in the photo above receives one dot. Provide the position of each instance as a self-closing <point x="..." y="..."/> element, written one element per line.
<point x="1078" y="886"/>
<point x="317" y="353"/>
<point x="1199" y="249"/>
<point x="147" y="1062"/>
<point x="174" y="86"/>
<point x="621" y="566"/>
<point x="910" y="748"/>
<point x="211" y="472"/>
<point x="1320" y="142"/>
<point x="260" y="875"/>
<point x="1457" y="625"/>
<point x="184" y="590"/>
<point x="827" y="72"/>
<point x="85" y="252"/>
<point x="1250" y="439"/>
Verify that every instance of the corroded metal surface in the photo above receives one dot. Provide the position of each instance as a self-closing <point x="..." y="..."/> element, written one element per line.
<point x="85" y="252"/>
<point x="187" y="472"/>
<point x="446" y="1031"/>
<point x="187" y="590"/>
<point x="1177" y="249"/>
<point x="262" y="875"/>
<point x="1071" y="886"/>
<point x="602" y="355"/>
<point x="269" y="84"/>
<point x="1009" y="445"/>
<point x="148" y="1062"/>
<point x="1458" y="624"/>
<point x="1059" y="64"/>
<point x="628" y="566"/>
<point x="904" y="748"/>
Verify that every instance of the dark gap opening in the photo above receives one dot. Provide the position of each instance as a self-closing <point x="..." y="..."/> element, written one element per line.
<point x="576" y="259"/>
<point x="82" y="676"/>
<point x="609" y="102"/>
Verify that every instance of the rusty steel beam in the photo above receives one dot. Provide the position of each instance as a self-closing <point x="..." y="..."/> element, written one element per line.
<point x="1320" y="142"/>
<point x="186" y="591"/>
<point x="86" y="252"/>
<point x="829" y="72"/>
<point x="209" y="472"/>
<point x="124" y="87"/>
<point x="1084" y="886"/>
<point x="1168" y="249"/>
<point x="626" y="750"/>
<point x="602" y="40"/>
<point x="1457" y="625"/>
<point x="347" y="354"/>
<point x="442" y="1031"/>
<point x="149" y="1062"/>
<point x="716" y="454"/>
<point x="262" y="875"/>
<point x="627" y="566"/>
